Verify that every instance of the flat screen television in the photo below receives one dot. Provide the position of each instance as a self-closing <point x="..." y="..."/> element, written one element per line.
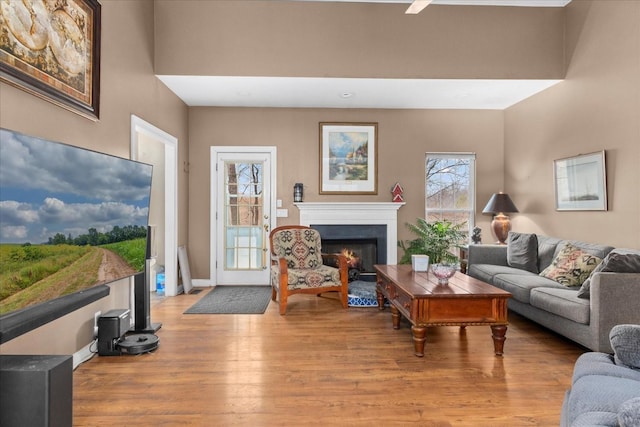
<point x="71" y="221"/>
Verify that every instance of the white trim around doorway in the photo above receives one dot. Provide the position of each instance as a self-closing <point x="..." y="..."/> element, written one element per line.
<point x="139" y="126"/>
<point x="215" y="151"/>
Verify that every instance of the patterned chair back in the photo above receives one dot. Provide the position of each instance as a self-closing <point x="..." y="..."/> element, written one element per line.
<point x="300" y="247"/>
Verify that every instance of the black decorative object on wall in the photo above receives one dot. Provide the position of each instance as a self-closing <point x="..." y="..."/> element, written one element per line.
<point x="297" y="192"/>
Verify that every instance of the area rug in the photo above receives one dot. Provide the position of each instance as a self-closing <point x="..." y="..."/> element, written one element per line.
<point x="233" y="300"/>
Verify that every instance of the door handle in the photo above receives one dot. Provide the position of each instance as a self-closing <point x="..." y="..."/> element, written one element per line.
<point x="264" y="244"/>
<point x="266" y="225"/>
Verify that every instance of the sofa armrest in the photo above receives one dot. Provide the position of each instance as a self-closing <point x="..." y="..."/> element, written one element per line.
<point x="625" y="340"/>
<point x="614" y="300"/>
<point x="629" y="413"/>
<point x="488" y="254"/>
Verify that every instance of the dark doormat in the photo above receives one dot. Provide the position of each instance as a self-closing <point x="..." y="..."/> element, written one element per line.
<point x="233" y="300"/>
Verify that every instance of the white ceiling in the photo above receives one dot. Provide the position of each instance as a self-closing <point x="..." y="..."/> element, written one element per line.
<point x="303" y="92"/>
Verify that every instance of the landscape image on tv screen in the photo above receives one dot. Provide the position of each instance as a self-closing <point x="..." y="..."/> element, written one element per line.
<point x="70" y="219"/>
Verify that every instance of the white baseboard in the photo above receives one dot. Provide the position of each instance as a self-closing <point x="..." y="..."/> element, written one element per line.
<point x="202" y="283"/>
<point x="84" y="354"/>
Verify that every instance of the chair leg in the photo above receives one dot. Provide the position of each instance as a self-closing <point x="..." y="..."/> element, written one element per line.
<point x="344" y="293"/>
<point x="344" y="298"/>
<point x="283" y="303"/>
<point x="273" y="293"/>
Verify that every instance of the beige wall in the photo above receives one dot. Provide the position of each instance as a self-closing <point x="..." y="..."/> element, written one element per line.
<point x="596" y="108"/>
<point x="128" y="87"/>
<point x="347" y="39"/>
<point x="404" y="136"/>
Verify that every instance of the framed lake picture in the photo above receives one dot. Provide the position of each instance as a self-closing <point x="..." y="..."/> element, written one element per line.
<point x="348" y="158"/>
<point x="581" y="183"/>
<point x="51" y="49"/>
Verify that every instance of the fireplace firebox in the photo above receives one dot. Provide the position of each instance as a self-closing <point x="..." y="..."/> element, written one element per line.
<point x="363" y="245"/>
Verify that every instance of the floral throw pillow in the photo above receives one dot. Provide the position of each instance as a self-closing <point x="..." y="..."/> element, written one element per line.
<point x="571" y="266"/>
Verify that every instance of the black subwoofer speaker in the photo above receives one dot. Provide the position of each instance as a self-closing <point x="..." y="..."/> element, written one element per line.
<point x="112" y="327"/>
<point x="36" y="391"/>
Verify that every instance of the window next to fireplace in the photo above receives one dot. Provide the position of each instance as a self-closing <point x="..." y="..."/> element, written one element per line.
<point x="368" y="243"/>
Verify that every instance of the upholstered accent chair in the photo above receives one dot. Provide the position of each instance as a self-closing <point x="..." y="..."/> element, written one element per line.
<point x="298" y="265"/>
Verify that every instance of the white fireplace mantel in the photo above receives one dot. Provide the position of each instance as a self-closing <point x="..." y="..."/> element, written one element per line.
<point x="344" y="213"/>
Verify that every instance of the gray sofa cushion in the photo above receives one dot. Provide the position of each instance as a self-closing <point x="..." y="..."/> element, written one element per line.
<point x="617" y="261"/>
<point x="546" y="250"/>
<point x="486" y="272"/>
<point x="522" y="251"/>
<point x="625" y="342"/>
<point x="562" y="302"/>
<point x="520" y="285"/>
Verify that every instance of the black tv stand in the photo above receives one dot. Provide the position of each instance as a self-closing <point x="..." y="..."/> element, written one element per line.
<point x="152" y="328"/>
<point x="142" y="306"/>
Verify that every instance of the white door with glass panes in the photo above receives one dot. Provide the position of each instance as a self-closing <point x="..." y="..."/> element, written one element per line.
<point x="242" y="214"/>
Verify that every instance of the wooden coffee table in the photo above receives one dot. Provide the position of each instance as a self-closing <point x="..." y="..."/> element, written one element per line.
<point x="464" y="301"/>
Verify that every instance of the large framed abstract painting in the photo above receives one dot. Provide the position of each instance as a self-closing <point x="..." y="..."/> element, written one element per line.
<point x="348" y="158"/>
<point x="581" y="182"/>
<point x="51" y="49"/>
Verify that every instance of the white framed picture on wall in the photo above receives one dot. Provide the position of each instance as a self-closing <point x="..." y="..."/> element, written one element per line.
<point x="581" y="182"/>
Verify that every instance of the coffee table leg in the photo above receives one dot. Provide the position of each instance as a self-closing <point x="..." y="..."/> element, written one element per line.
<point x="498" y="333"/>
<point x="419" y="337"/>
<point x="380" y="298"/>
<point x="395" y="317"/>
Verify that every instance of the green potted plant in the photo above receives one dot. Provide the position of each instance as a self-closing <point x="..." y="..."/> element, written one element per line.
<point x="435" y="239"/>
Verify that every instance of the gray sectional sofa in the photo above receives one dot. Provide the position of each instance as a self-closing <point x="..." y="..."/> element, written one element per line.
<point x="584" y="313"/>
<point x="605" y="388"/>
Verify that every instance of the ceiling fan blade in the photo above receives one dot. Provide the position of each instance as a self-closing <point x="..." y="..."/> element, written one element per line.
<point x="417" y="6"/>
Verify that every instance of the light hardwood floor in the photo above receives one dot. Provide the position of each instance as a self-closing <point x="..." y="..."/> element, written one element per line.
<point x="321" y="365"/>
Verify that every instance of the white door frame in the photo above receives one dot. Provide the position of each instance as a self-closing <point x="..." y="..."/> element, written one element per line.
<point x="215" y="150"/>
<point x="139" y="126"/>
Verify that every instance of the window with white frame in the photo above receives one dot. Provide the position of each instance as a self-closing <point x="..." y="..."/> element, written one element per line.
<point x="450" y="188"/>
